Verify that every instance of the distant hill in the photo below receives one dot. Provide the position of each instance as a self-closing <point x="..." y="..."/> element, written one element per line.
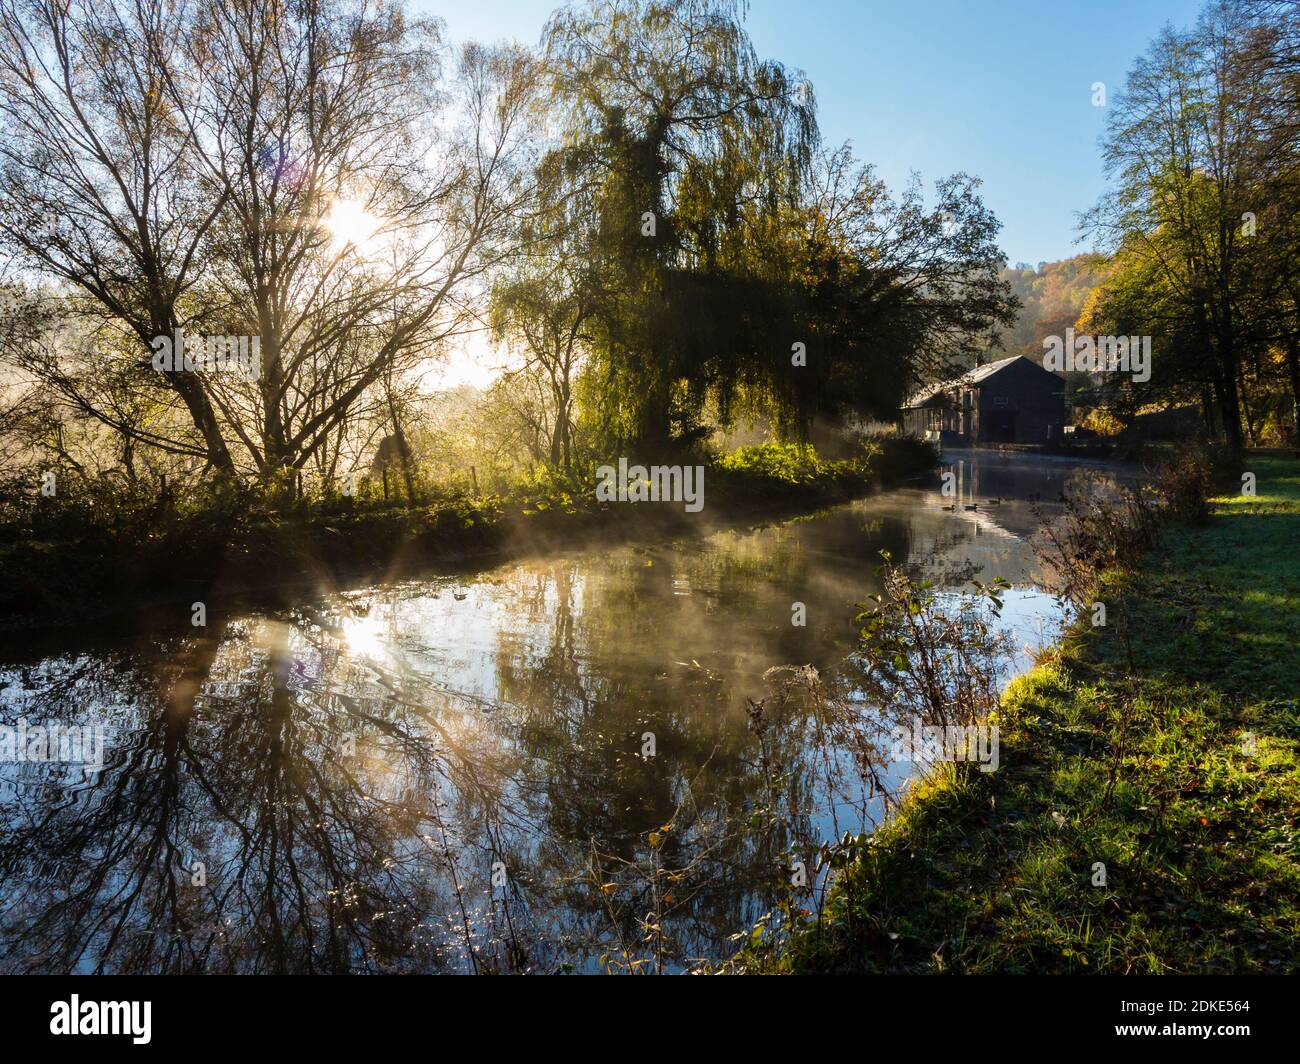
<point x="1052" y="296"/>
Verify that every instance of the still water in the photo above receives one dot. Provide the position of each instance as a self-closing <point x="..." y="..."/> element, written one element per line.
<point x="552" y="764"/>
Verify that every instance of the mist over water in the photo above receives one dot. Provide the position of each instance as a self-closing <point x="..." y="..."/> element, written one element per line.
<point x="449" y="774"/>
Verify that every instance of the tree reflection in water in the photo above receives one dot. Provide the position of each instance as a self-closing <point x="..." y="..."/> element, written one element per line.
<point x="404" y="779"/>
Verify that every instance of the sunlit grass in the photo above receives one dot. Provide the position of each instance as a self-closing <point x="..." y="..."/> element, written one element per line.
<point x="1183" y="780"/>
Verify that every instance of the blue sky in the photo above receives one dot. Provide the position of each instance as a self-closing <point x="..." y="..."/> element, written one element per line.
<point x="998" y="88"/>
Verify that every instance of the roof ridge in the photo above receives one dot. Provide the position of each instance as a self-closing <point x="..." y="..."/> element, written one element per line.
<point x="971" y="376"/>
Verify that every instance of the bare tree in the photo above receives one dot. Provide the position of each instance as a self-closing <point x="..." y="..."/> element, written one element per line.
<point x="299" y="174"/>
<point x="96" y="180"/>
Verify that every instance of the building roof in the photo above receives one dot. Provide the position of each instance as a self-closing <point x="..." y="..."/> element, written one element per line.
<point x="972" y="377"/>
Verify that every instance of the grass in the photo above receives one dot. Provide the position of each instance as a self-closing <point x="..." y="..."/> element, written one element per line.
<point x="1179" y="775"/>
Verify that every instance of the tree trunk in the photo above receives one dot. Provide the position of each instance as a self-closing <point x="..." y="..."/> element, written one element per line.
<point x="1229" y="396"/>
<point x="1207" y="411"/>
<point x="1293" y="372"/>
<point x="190" y="389"/>
<point x="1230" y="410"/>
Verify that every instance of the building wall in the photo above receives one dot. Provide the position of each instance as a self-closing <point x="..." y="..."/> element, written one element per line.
<point x="1022" y="404"/>
<point x="917" y="421"/>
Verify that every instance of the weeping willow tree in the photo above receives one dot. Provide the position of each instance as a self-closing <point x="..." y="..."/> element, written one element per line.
<point x="735" y="267"/>
<point x="685" y="143"/>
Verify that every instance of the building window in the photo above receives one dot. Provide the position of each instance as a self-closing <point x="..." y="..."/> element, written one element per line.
<point x="1000" y="400"/>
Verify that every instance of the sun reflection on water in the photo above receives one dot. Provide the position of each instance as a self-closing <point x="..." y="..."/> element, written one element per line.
<point x="365" y="637"/>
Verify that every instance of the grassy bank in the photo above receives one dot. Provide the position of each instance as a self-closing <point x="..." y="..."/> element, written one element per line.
<point x="99" y="547"/>
<point x="1171" y="757"/>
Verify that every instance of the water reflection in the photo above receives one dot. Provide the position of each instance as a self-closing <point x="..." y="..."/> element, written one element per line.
<point x="452" y="774"/>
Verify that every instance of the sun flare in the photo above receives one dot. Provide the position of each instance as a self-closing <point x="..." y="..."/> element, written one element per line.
<point x="351" y="225"/>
